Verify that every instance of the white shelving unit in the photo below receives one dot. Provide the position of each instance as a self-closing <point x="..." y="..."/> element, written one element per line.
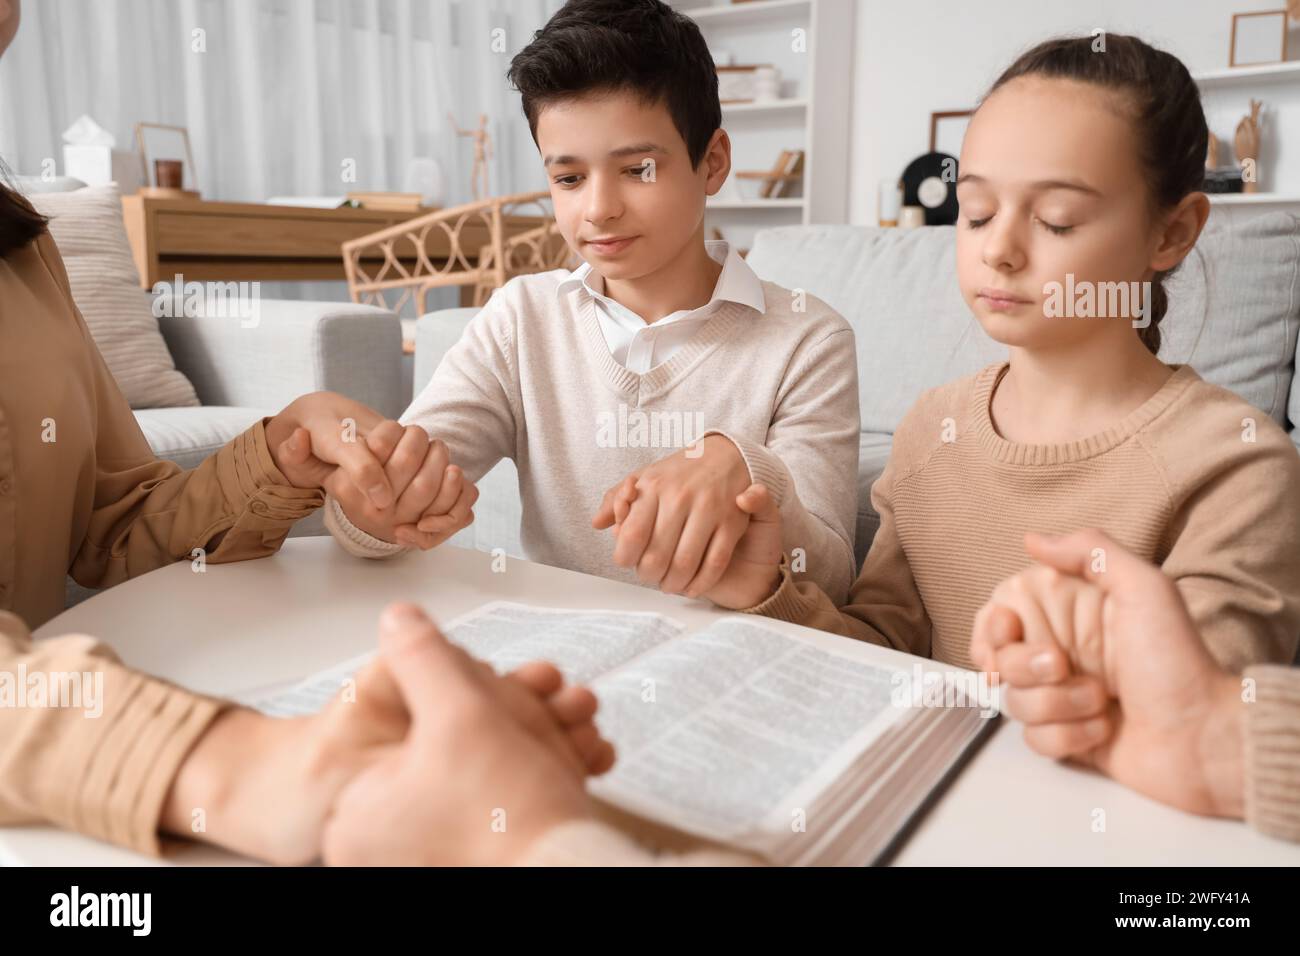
<point x="812" y="113"/>
<point x="1226" y="95"/>
<point x="753" y="11"/>
<point x="1254" y="199"/>
<point x="1264" y="75"/>
<point x="785" y="203"/>
<point x="785" y="105"/>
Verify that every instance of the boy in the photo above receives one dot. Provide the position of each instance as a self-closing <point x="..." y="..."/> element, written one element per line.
<point x="659" y="339"/>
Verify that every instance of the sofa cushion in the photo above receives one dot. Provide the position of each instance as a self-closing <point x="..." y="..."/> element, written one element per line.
<point x="31" y="185"/>
<point x="87" y="227"/>
<point x="1234" y="308"/>
<point x="189" y="435"/>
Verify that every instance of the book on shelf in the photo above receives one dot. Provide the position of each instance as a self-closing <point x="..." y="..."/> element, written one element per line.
<point x="387" y="201"/>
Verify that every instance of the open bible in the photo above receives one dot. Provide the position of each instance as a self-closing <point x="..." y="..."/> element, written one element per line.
<point x="798" y="746"/>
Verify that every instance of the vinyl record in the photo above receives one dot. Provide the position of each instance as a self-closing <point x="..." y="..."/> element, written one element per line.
<point x="930" y="181"/>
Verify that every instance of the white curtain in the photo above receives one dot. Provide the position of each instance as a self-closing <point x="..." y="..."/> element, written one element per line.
<point x="280" y="97"/>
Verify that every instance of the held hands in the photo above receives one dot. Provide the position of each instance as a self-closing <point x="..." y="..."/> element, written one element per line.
<point x="1106" y="667"/>
<point x="391" y="482"/>
<point x="308" y="443"/>
<point x="487" y="767"/>
<point x="274" y="788"/>
<point x="681" y="522"/>
<point x="434" y="501"/>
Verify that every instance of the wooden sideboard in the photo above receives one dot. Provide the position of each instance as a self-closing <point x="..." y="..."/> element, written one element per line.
<point x="230" y="242"/>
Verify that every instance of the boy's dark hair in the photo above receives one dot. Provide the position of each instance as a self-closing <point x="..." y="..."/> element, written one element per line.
<point x="1165" y="107"/>
<point x="642" y="47"/>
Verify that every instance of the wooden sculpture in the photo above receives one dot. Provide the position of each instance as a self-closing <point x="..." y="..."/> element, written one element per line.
<point x="1246" y="144"/>
<point x="478" y="179"/>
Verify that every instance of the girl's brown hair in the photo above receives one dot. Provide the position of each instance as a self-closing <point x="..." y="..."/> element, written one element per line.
<point x="1164" y="105"/>
<point x="19" y="222"/>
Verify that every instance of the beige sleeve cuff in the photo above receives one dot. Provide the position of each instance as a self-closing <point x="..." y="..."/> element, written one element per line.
<point x="765" y="468"/>
<point x="105" y="766"/>
<point x="1273" y="752"/>
<point x="829" y="562"/>
<point x="252" y="474"/>
<point x="169" y="724"/>
<point x="786" y="603"/>
<point x="353" y="540"/>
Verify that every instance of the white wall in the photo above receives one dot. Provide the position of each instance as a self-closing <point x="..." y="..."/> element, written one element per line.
<point x="916" y="57"/>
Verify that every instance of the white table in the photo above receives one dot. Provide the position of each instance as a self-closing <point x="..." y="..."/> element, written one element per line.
<point x="238" y="627"/>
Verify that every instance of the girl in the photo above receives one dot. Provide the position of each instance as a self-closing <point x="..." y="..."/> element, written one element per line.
<point x="1082" y="169"/>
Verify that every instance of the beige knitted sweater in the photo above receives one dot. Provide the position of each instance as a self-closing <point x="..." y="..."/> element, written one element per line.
<point x="1194" y="480"/>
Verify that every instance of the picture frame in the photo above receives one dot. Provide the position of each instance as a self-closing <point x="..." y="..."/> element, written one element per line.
<point x="947" y="129"/>
<point x="1258" y="38"/>
<point x="155" y="141"/>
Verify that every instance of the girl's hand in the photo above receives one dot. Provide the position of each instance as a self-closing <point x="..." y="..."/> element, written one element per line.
<point x="1047" y="631"/>
<point x="1175" y="719"/>
<point x="754" y="572"/>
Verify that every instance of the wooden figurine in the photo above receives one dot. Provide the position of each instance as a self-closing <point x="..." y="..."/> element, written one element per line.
<point x="482" y="153"/>
<point x="1246" y="144"/>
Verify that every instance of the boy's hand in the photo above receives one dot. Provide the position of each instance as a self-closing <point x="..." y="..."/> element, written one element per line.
<point x="433" y="501"/>
<point x="1176" y="732"/>
<point x="682" y="523"/>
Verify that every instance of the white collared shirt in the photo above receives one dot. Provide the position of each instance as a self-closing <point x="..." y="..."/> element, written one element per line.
<point x="638" y="346"/>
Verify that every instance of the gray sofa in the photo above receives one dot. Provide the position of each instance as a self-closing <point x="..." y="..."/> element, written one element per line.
<point x="1234" y="313"/>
